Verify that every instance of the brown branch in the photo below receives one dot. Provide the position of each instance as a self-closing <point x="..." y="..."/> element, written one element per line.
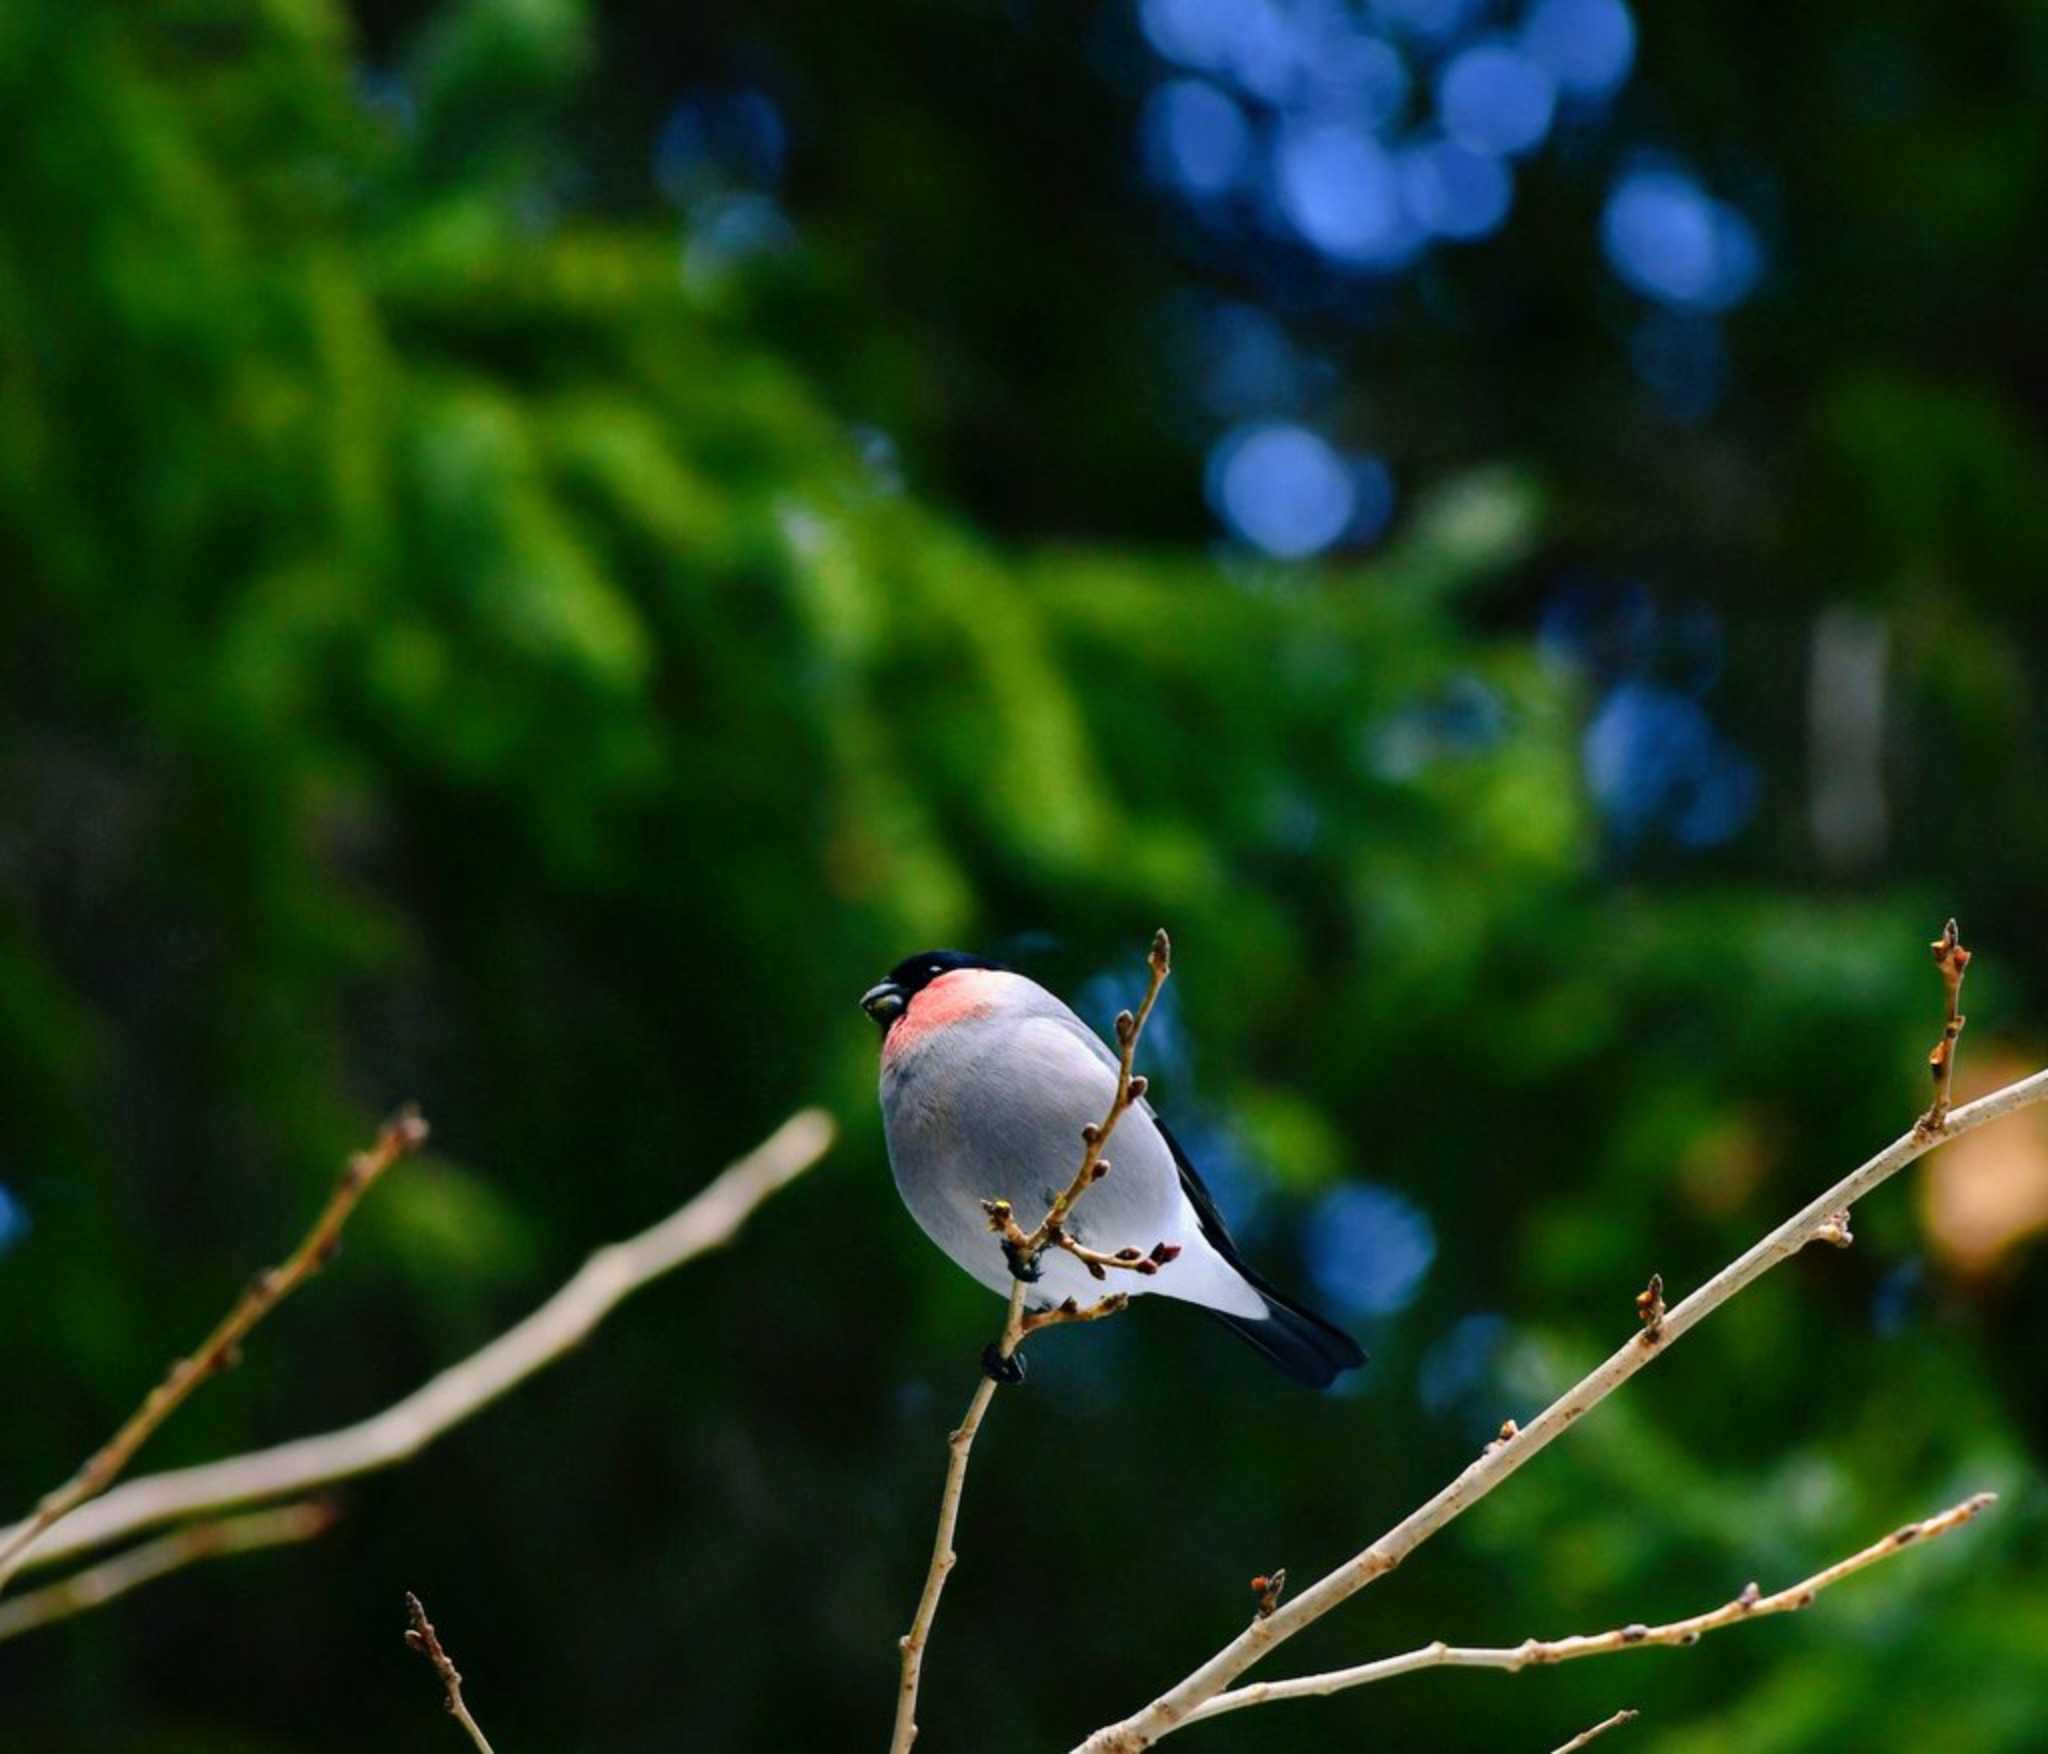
<point x="1749" y="1605"/>
<point x="422" y="1637"/>
<point x="403" y="1134"/>
<point x="1623" y="1716"/>
<point x="1130" y="1089"/>
<point x="1022" y="1248"/>
<point x="1180" y="1702"/>
<point x="708" y="1220"/>
<point x="99" y="1584"/>
<point x="944" y="1558"/>
<point x="1070" y="1311"/>
<point x="1953" y="961"/>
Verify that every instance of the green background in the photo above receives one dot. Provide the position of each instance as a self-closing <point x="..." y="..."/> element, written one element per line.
<point x="456" y="645"/>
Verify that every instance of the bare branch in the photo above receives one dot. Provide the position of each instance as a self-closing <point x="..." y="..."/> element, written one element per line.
<point x="944" y="1558"/>
<point x="422" y="1637"/>
<point x="1022" y="1248"/>
<point x="1749" y="1605"/>
<point x="99" y="1584"/>
<point x="1501" y="1459"/>
<point x="1623" y="1716"/>
<point x="612" y="1274"/>
<point x="403" y="1134"/>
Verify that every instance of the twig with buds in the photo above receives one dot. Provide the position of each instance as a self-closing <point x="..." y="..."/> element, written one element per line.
<point x="1751" y="1604"/>
<point x="1130" y="1089"/>
<point x="403" y="1134"/>
<point x="1953" y="961"/>
<point x="420" y="1635"/>
<point x="1197" y="1694"/>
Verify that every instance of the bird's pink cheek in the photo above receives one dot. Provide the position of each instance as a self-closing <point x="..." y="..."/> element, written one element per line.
<point x="952" y="998"/>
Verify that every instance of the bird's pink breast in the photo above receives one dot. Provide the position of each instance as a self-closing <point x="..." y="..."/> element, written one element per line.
<point x="952" y="998"/>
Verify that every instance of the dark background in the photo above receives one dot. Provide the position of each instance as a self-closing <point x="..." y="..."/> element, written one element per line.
<point x="545" y="547"/>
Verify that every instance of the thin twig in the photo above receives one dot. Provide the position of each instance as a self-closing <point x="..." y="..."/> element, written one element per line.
<point x="1173" y="1707"/>
<point x="1749" y="1605"/>
<point x="1623" y="1716"/>
<point x="99" y="1584"/>
<point x="1130" y="1089"/>
<point x="944" y="1558"/>
<point x="711" y="1218"/>
<point x="404" y="1133"/>
<point x="422" y="1637"/>
<point x="1022" y="1249"/>
<point x="1953" y="961"/>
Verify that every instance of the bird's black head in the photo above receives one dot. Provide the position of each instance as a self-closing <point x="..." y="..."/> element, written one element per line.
<point x="890" y="998"/>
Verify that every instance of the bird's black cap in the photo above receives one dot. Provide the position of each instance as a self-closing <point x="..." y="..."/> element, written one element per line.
<point x="888" y="999"/>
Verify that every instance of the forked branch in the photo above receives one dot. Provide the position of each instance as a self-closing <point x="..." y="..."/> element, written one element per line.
<point x="1825" y="1216"/>
<point x="709" y="1219"/>
<point x="1751" y="1604"/>
<point x="404" y="1133"/>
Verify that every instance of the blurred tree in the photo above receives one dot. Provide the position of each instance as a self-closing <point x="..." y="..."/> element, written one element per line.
<point x="462" y="641"/>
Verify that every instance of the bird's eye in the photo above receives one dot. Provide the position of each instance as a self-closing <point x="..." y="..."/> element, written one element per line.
<point x="934" y="971"/>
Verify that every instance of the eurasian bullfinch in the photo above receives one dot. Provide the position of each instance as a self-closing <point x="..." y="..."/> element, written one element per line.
<point x="987" y="1081"/>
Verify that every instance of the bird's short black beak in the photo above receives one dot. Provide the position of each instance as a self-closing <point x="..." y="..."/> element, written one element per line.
<point x="884" y="1003"/>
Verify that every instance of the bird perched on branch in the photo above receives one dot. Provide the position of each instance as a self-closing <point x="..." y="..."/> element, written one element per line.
<point x="988" y="1082"/>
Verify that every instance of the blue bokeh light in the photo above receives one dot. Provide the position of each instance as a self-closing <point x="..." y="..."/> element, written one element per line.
<point x="1372" y="500"/>
<point x="1356" y="77"/>
<point x="1246" y="363"/>
<point x="13" y="1219"/>
<point x="1458" y="1364"/>
<point x="1368" y="1249"/>
<point x="1339" y="189"/>
<point x="731" y="229"/>
<point x="1587" y="46"/>
<point x="1428" y="21"/>
<point x="1282" y="488"/>
<point x="1196" y="137"/>
<point x="1653" y="760"/>
<point x="1203" y="34"/>
<point x="715" y="138"/>
<point x="1492" y="98"/>
<point x="1454" y="191"/>
<point x="1672" y="241"/>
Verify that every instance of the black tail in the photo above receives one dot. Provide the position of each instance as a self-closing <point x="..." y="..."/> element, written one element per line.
<point x="1298" y="1341"/>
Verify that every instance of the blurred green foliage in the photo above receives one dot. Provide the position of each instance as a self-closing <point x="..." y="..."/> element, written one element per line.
<point x="450" y="653"/>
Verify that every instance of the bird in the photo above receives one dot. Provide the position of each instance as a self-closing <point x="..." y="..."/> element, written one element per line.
<point x="987" y="1080"/>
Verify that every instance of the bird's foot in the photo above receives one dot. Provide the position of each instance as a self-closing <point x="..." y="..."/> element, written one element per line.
<point x="1024" y="1264"/>
<point x="1007" y="1371"/>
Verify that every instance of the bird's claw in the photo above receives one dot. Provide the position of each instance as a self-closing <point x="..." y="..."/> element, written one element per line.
<point x="1022" y="1266"/>
<point x="999" y="1369"/>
